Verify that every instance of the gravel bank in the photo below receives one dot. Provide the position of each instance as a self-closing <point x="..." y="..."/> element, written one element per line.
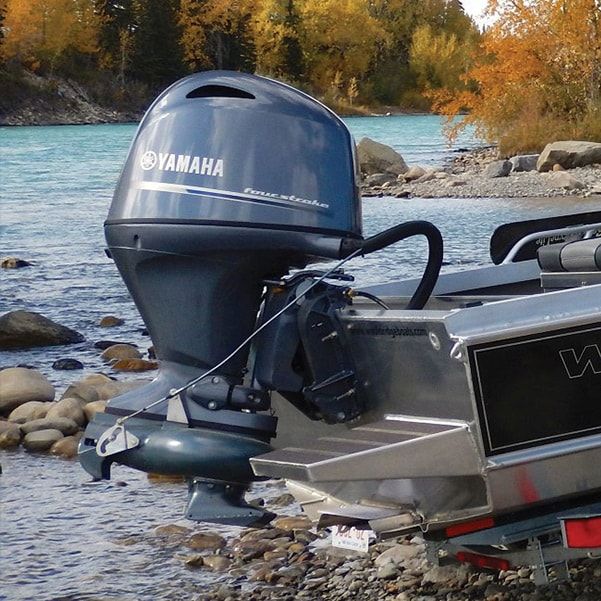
<point x="465" y="178"/>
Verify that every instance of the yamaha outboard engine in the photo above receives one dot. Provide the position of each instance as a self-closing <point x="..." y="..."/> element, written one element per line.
<point x="231" y="181"/>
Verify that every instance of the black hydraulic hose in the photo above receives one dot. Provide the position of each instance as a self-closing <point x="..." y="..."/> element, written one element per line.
<point x="401" y="232"/>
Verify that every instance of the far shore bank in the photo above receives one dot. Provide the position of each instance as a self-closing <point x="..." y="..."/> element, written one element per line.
<point x="44" y="101"/>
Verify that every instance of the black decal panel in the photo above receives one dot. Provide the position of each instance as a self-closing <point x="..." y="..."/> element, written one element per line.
<point x="539" y="389"/>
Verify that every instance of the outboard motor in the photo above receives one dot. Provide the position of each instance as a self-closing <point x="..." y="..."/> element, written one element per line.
<point x="231" y="181"/>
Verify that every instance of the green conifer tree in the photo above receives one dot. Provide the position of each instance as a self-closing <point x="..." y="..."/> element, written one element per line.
<point x="157" y="54"/>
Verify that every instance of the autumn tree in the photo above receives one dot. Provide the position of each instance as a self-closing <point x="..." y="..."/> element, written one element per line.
<point x="337" y="36"/>
<point x="439" y="60"/>
<point x="276" y="34"/>
<point x="538" y="73"/>
<point x="392" y="77"/>
<point x="40" y="32"/>
<point x="216" y="34"/>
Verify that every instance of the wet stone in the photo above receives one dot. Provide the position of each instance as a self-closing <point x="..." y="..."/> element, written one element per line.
<point x="205" y="541"/>
<point x="134" y="365"/>
<point x="262" y="534"/>
<point x="104" y="344"/>
<point x="14" y="263"/>
<point x="121" y="351"/>
<point x="67" y="364"/>
<point x="66" y="447"/>
<point x="172" y="531"/>
<point x="110" y="321"/>
<point x="251" y="549"/>
<point x="218" y="563"/>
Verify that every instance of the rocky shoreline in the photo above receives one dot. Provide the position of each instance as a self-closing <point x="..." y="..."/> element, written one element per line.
<point x="288" y="560"/>
<point x="58" y="101"/>
<point x="480" y="173"/>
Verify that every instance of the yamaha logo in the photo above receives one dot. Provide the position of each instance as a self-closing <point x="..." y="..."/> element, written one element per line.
<point x="182" y="163"/>
<point x="149" y="160"/>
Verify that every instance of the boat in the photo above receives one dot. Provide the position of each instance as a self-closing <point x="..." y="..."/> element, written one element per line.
<point x="460" y="405"/>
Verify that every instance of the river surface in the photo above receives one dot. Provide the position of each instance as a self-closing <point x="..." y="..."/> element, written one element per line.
<point x="62" y="537"/>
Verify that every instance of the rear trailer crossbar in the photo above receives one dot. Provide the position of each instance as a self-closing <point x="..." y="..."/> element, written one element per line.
<point x="546" y="543"/>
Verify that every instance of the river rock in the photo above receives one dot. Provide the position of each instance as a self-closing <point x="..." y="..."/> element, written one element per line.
<point x="398" y="554"/>
<point x="25" y="329"/>
<point x="41" y="440"/>
<point x="82" y="392"/>
<point x="29" y="411"/>
<point x="387" y="571"/>
<point x="10" y="437"/>
<point x="96" y="380"/>
<point x="375" y="157"/>
<point x="194" y="561"/>
<point x="565" y="180"/>
<point x="558" y="167"/>
<point x="67" y="364"/>
<point x="428" y="176"/>
<point x="19" y="385"/>
<point x="440" y="574"/>
<point x="66" y="447"/>
<point x="380" y="179"/>
<point x="91" y="409"/>
<point x="497" y="169"/>
<point x="70" y="408"/>
<point x="104" y="344"/>
<point x="109" y="391"/>
<point x="110" y="321"/>
<point x="121" y="351"/>
<point x="412" y="173"/>
<point x="217" y="563"/>
<point x="246" y="550"/>
<point x="262" y="534"/>
<point x="134" y="365"/>
<point x="172" y="531"/>
<point x="14" y="263"/>
<point x="569" y="154"/>
<point x="64" y="425"/>
<point x="290" y="523"/>
<point x="6" y="425"/>
<point x="524" y="162"/>
<point x="205" y="541"/>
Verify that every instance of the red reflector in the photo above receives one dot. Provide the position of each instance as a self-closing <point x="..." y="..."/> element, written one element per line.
<point x="466" y="527"/>
<point x="482" y="561"/>
<point x="582" y="533"/>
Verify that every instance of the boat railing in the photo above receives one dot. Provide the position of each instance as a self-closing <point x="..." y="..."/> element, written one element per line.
<point x="589" y="231"/>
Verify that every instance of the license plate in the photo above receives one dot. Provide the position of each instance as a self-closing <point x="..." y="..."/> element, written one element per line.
<point x="349" y="537"/>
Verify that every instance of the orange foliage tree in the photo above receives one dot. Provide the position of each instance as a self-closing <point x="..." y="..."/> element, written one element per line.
<point x="538" y="75"/>
<point x="38" y="32"/>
